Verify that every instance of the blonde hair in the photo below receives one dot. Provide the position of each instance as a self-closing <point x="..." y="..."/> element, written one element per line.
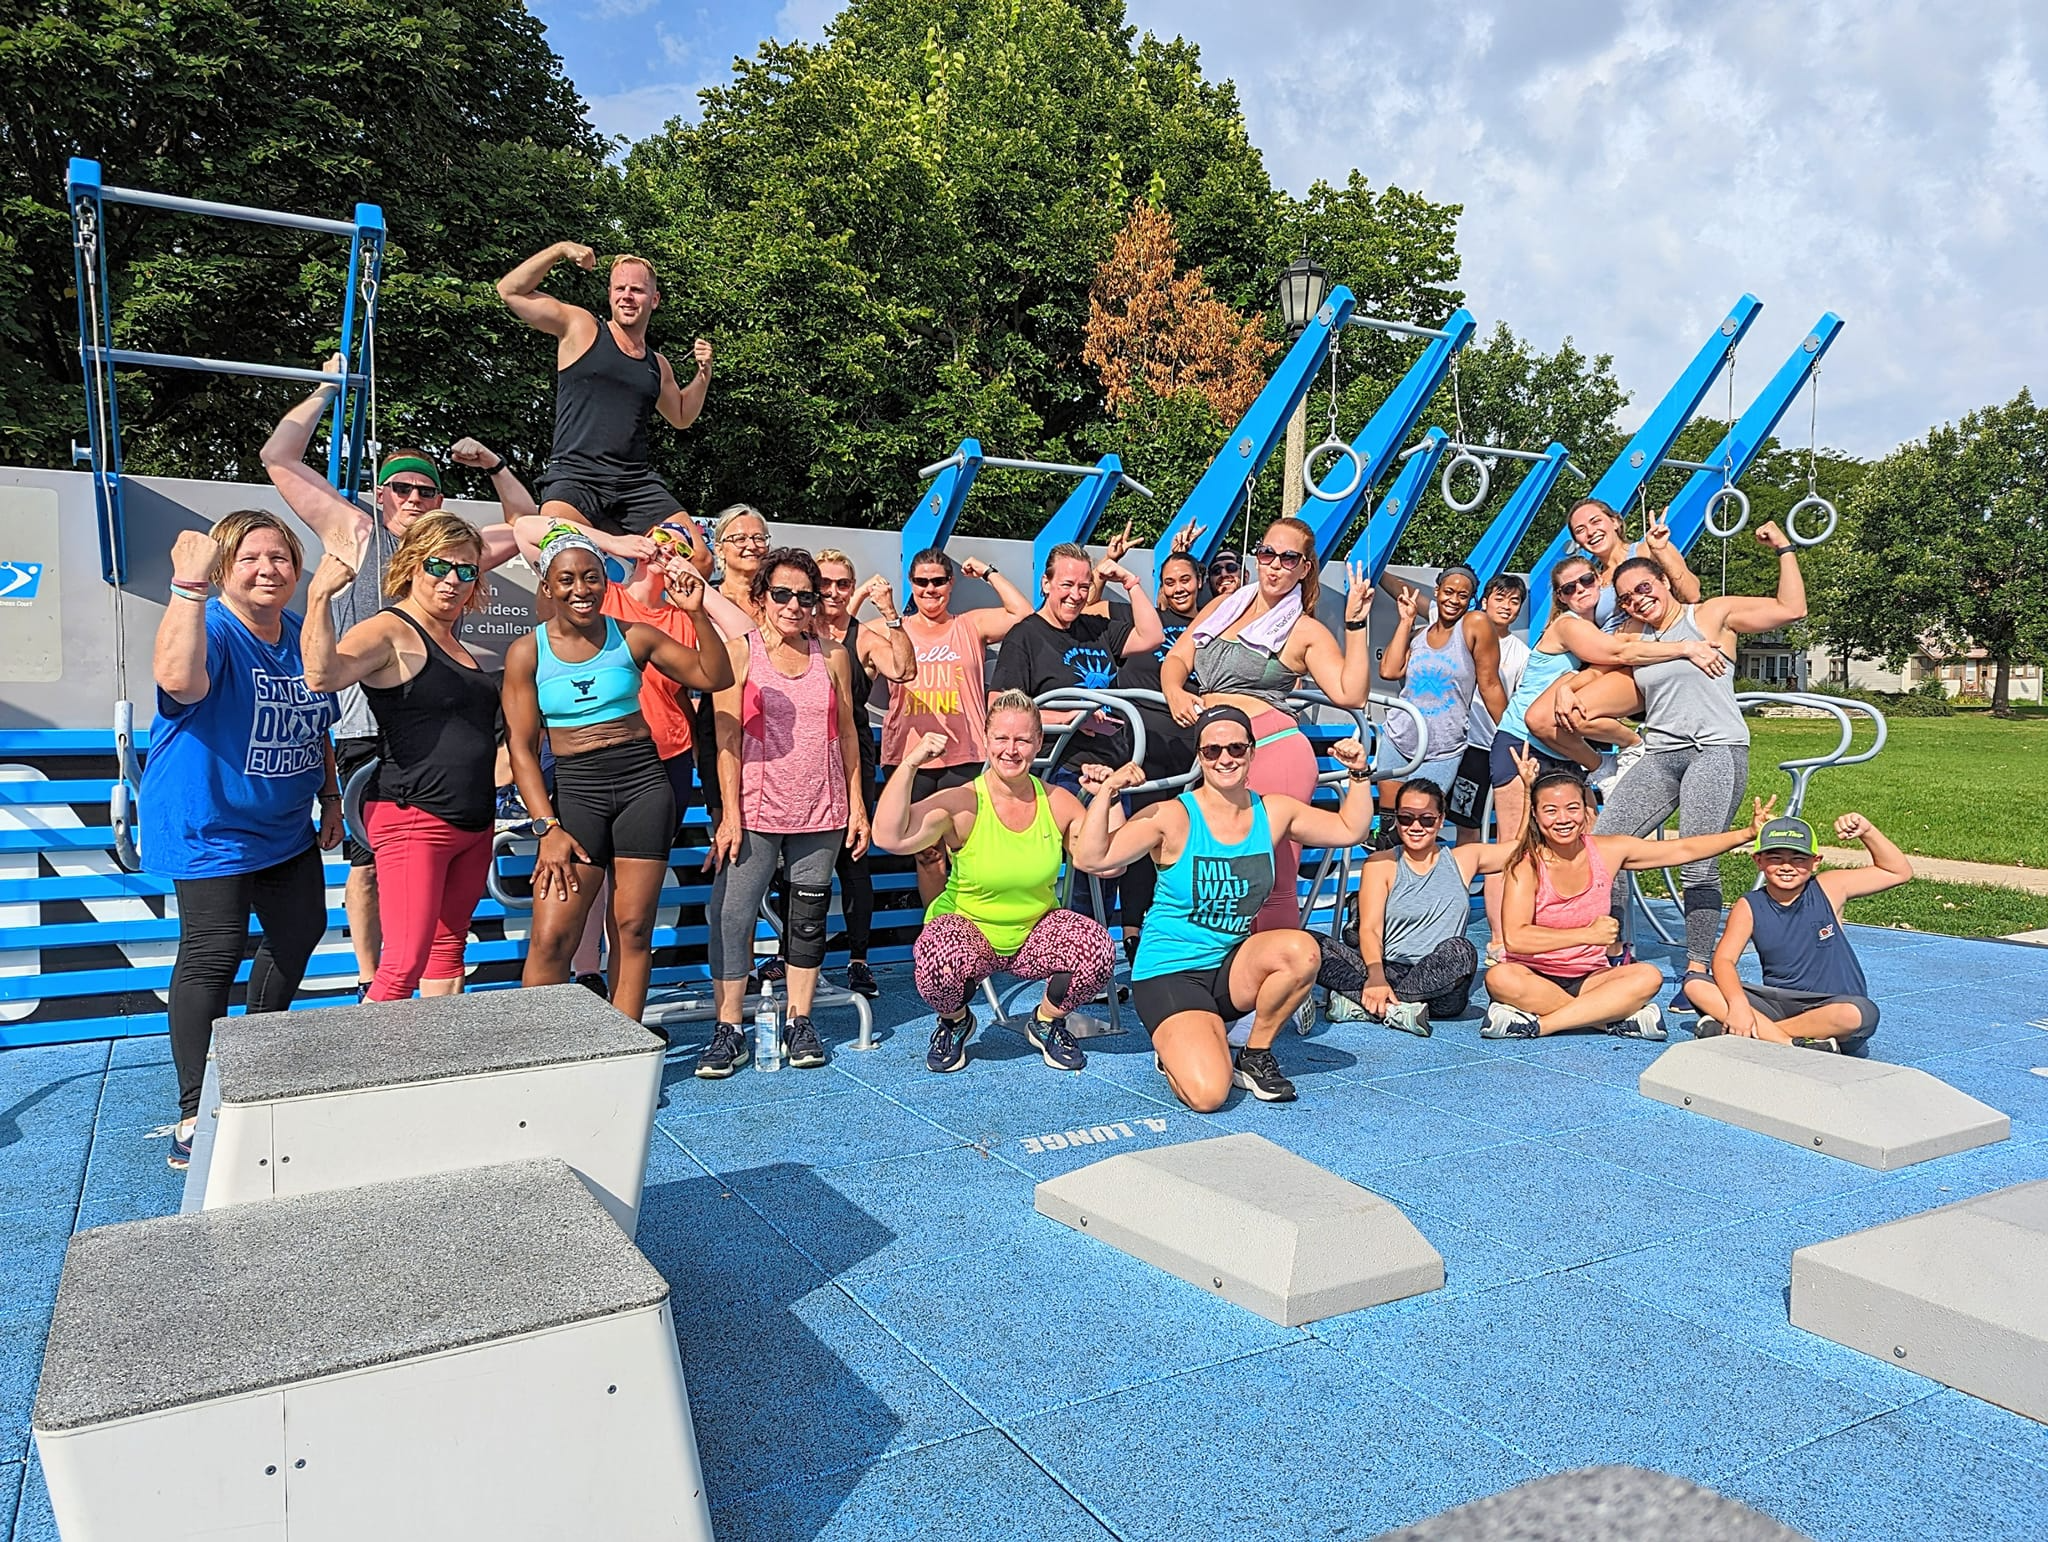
<point x="653" y="278"/>
<point x="231" y="530"/>
<point x="1311" y="581"/>
<point x="825" y="554"/>
<point x="731" y="515"/>
<point x="434" y="535"/>
<point x="1014" y="700"/>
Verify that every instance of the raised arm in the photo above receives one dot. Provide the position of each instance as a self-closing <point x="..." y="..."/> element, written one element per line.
<point x="1763" y="613"/>
<point x="1345" y="675"/>
<point x="1628" y="648"/>
<point x="515" y="498"/>
<point x="1657" y="537"/>
<point x="889" y="655"/>
<point x="1345" y="825"/>
<point x="680" y="404"/>
<point x="179" y="662"/>
<point x="1407" y="605"/>
<point x="1094" y="847"/>
<point x="994" y="625"/>
<point x="1888" y="865"/>
<point x="1146" y="631"/>
<point x="904" y="827"/>
<point x="520" y="289"/>
<point x="330" y="516"/>
<point x="334" y="664"/>
<point x="1639" y="854"/>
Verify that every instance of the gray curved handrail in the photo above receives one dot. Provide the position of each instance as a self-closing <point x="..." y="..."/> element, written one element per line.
<point x="1080" y="698"/>
<point x="494" y="881"/>
<point x="1186" y="778"/>
<point x="124" y="799"/>
<point x="352" y="795"/>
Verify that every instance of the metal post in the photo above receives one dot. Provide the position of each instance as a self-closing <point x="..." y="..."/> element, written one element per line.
<point x="1297" y="447"/>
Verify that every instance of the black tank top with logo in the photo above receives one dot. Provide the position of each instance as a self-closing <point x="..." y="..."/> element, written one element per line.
<point x="440" y="733"/>
<point x="602" y="402"/>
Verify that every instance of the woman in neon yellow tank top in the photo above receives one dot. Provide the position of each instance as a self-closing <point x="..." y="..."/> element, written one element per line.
<point x="1006" y="833"/>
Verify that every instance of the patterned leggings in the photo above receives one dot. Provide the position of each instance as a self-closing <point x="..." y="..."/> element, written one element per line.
<point x="1441" y="978"/>
<point x="952" y="957"/>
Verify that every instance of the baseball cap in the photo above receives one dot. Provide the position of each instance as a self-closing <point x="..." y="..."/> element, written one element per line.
<point x="1788" y="835"/>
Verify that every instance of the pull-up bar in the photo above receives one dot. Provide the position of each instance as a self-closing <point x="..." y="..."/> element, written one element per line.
<point x="218" y="366"/>
<point x="1005" y="463"/>
<point x="207" y="208"/>
<point x="1400" y="328"/>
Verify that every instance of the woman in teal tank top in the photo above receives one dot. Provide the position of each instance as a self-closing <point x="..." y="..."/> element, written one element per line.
<point x="1005" y="834"/>
<point x="1200" y="963"/>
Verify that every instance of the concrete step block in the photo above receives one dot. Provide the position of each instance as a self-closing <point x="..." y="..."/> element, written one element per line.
<point x="1600" y="1504"/>
<point x="1863" y="1111"/>
<point x="1959" y="1294"/>
<point x="311" y="1101"/>
<point x="1251" y="1222"/>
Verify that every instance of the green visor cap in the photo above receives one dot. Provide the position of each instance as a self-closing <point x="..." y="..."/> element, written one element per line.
<point x="1788" y="835"/>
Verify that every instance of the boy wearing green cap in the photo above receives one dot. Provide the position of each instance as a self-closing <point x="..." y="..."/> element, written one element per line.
<point x="1813" y="992"/>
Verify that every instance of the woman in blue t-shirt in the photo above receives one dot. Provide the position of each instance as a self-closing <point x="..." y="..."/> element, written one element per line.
<point x="237" y="757"/>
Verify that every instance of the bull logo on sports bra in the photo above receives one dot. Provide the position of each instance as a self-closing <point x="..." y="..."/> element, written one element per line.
<point x="583" y="686"/>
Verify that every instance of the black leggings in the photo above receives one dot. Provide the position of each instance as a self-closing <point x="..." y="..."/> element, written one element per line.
<point x="617" y="802"/>
<point x="856" y="884"/>
<point x="290" y="901"/>
<point x="1441" y="979"/>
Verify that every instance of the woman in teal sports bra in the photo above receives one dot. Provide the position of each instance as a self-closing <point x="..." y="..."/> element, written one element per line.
<point x="1200" y="963"/>
<point x="577" y="675"/>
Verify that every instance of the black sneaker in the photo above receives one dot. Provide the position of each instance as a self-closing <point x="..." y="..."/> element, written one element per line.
<point x="1259" y="1073"/>
<point x="800" y="1046"/>
<point x="1680" y="1004"/>
<point x="725" y="1054"/>
<point x="1826" y="1046"/>
<point x="948" y="1050"/>
<point x="1704" y="1027"/>
<point x="596" y="983"/>
<point x="1054" y="1043"/>
<point x="861" y="980"/>
<point x="179" y="1157"/>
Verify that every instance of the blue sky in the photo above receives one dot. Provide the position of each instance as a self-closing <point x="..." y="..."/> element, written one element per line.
<point x="1627" y="167"/>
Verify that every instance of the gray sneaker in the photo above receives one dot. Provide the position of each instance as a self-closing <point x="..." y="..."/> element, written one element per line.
<point x="1646" y="1022"/>
<point x="1409" y="1017"/>
<point x="1506" y="1022"/>
<point x="1340" y="1008"/>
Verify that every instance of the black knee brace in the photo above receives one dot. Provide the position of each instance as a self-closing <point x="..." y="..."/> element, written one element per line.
<point x="805" y="944"/>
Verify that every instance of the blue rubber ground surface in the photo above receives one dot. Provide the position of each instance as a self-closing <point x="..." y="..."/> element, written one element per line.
<point x="883" y="1340"/>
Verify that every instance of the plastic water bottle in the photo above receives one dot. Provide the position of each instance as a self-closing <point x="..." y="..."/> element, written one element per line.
<point x="767" y="1032"/>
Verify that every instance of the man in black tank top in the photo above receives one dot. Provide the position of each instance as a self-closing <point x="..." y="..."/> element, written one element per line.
<point x="607" y="380"/>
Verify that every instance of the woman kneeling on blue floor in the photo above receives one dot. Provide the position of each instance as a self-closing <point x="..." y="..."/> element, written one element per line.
<point x="1200" y="964"/>
<point x="1557" y="975"/>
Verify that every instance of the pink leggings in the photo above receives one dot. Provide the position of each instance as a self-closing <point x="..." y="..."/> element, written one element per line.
<point x="429" y="877"/>
<point x="952" y="957"/>
<point x="1284" y="762"/>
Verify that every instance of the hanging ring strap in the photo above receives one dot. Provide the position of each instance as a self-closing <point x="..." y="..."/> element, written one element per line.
<point x="1813" y="499"/>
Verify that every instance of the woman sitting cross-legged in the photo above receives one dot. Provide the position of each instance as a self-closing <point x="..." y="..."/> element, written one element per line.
<point x="1004" y="833"/>
<point x="1200" y="965"/>
<point x="1557" y="974"/>
<point x="1412" y="960"/>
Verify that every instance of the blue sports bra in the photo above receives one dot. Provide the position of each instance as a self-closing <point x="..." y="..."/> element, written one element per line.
<point x="599" y="690"/>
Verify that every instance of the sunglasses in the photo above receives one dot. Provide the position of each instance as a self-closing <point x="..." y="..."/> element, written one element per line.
<point x="930" y="583"/>
<point x="1642" y="591"/>
<point x="807" y="598"/>
<point x="441" y="567"/>
<point x="1407" y="819"/>
<point x="1583" y="581"/>
<point x="670" y="535"/>
<point x="1237" y="749"/>
<point x="1288" y="561"/>
<point x="420" y="490"/>
<point x="836" y="583"/>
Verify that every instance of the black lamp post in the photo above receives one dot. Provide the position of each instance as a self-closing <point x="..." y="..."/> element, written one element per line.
<point x="1302" y="284"/>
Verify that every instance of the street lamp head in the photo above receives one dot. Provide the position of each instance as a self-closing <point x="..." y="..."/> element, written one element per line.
<point x="1303" y="283"/>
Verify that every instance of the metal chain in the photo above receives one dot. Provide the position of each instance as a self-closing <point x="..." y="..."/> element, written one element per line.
<point x="88" y="243"/>
<point x="1812" y="431"/>
<point x="1334" y="340"/>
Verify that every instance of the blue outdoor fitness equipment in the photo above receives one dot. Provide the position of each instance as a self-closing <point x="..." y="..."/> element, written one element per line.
<point x="354" y="402"/>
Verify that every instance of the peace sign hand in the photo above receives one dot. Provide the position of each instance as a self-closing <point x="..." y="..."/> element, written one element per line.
<point x="1358" y="592"/>
<point x="1765" y="807"/>
<point x="1527" y="766"/>
<point x="1657" y="530"/>
<point x="1185" y="539"/>
<point x="1120" y="543"/>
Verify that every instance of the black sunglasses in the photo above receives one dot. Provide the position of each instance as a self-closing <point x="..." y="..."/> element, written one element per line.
<point x="1409" y="820"/>
<point x="1237" y="749"/>
<point x="419" y="490"/>
<point x="441" y="567"/>
<point x="807" y="598"/>
<point x="1288" y="560"/>
<point x="1583" y="581"/>
<point x="931" y="583"/>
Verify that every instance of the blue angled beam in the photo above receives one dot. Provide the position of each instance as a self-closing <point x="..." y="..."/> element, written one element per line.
<point x="938" y="506"/>
<point x="1216" y="497"/>
<point x="1637" y="463"/>
<point x="1076" y="519"/>
<point x="1496" y="548"/>
<point x="1380" y="440"/>
<point x="1382" y="533"/>
<point x="1738" y="448"/>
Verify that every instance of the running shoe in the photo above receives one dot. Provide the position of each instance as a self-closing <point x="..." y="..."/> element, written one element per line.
<point x="1305" y="1016"/>
<point x="180" y="1155"/>
<point x="1506" y="1022"/>
<point x="861" y="980"/>
<point x="1825" y="1045"/>
<point x="1645" y="1022"/>
<point x="800" y="1045"/>
<point x="948" y="1050"/>
<point x="1054" y="1043"/>
<point x="1259" y="1074"/>
<point x="1705" y="1027"/>
<point x="1409" y="1017"/>
<point x="1680" y="1004"/>
<point x="595" y="982"/>
<point x="1340" y="1008"/>
<point x="1603" y="776"/>
<point x="725" y="1054"/>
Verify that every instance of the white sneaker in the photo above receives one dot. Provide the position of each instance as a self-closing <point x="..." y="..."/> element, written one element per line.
<point x="1603" y="776"/>
<point x="1506" y="1022"/>
<point x="1643" y="1023"/>
<point x="1409" y="1017"/>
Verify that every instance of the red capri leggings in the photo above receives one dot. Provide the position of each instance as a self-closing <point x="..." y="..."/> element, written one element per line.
<point x="1284" y="762"/>
<point x="430" y="876"/>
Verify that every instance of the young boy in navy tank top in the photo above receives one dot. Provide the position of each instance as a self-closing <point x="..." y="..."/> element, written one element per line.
<point x="1813" y="992"/>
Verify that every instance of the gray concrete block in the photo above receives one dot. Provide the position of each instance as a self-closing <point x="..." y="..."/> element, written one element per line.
<point x="1599" y="1504"/>
<point x="1876" y="1115"/>
<point x="164" y="1313"/>
<point x="272" y="1055"/>
<point x="1956" y="1294"/>
<point x="1251" y="1222"/>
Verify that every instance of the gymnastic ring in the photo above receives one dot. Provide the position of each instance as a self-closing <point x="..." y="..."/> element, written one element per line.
<point x="352" y="797"/>
<point x="1465" y="458"/>
<point x="1308" y="476"/>
<point x="502" y="842"/>
<point x="1810" y="501"/>
<point x="121" y="818"/>
<point x="1727" y="492"/>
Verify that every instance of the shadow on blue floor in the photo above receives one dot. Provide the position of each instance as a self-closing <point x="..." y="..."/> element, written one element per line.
<point x="883" y="1338"/>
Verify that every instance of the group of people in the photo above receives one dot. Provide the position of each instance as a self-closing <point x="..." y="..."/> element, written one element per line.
<point x="728" y="670"/>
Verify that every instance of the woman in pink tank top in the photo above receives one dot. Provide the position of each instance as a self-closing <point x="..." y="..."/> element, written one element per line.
<point x="1557" y="918"/>
<point x="948" y="695"/>
<point x="789" y="774"/>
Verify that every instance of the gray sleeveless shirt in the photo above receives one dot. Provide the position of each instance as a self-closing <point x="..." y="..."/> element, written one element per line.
<point x="1424" y="909"/>
<point x="362" y="599"/>
<point x="1684" y="708"/>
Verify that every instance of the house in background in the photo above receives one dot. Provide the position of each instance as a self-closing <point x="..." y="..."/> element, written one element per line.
<point x="1966" y="672"/>
<point x="1771" y="658"/>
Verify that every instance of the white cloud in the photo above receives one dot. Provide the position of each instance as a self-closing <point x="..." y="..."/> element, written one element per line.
<point x="645" y="110"/>
<point x="1628" y="167"/>
<point x="803" y="21"/>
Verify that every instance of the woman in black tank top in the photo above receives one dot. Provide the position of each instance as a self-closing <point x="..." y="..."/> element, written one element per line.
<point x="429" y="810"/>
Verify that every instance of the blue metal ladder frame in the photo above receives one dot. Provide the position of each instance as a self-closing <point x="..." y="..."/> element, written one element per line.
<point x="87" y="197"/>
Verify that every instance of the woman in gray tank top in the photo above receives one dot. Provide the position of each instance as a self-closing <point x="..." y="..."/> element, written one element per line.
<point x="1698" y="760"/>
<point x="1440" y="669"/>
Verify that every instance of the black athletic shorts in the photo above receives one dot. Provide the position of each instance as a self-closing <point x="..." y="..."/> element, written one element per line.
<point x="1779" y="1002"/>
<point x="1501" y="759"/>
<point x="350" y="756"/>
<point x="1195" y="990"/>
<point x="1465" y="806"/>
<point x="1570" y="984"/>
<point x="617" y="802"/>
<point x="631" y="505"/>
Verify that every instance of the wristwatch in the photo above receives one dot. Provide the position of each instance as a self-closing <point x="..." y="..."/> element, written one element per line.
<point x="491" y="471"/>
<point x="894" y="623"/>
<point x="1358" y="626"/>
<point x="545" y="823"/>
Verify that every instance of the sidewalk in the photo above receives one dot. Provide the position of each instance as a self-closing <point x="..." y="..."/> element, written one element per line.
<point x="2033" y="880"/>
